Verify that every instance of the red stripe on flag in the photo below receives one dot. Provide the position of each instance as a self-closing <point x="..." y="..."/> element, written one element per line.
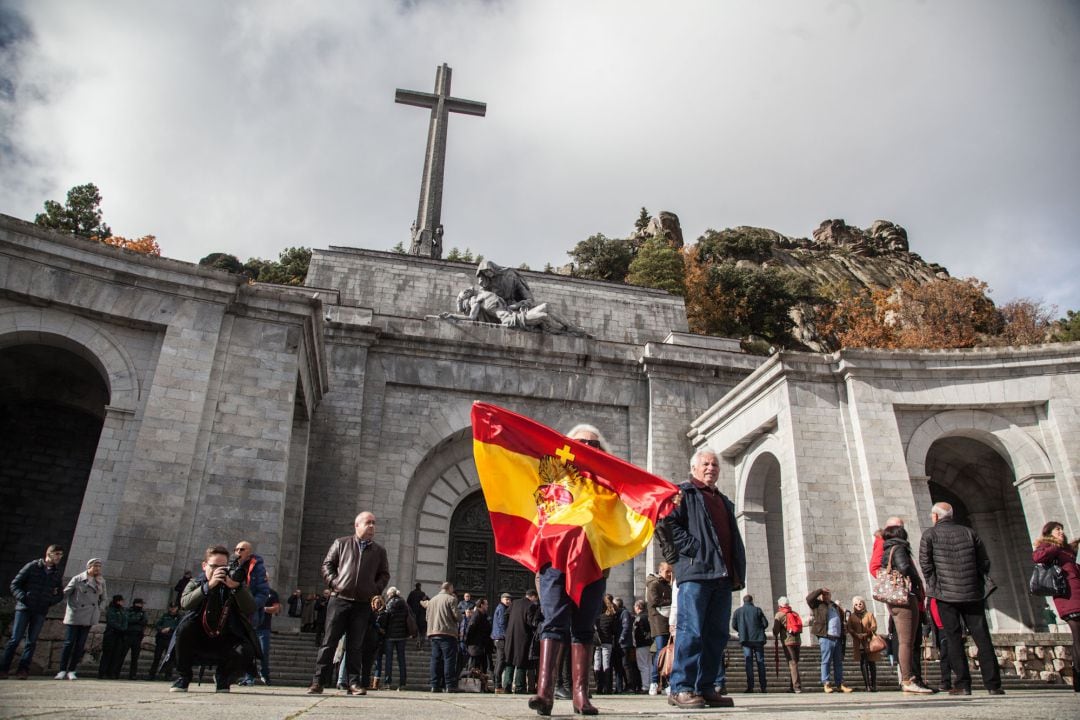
<point x="563" y="546"/>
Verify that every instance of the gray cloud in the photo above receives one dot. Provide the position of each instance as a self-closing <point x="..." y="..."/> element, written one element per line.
<point x="248" y="127"/>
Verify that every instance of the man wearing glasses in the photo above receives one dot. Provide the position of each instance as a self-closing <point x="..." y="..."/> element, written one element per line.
<point x="258" y="583"/>
<point x="36" y="588"/>
<point x="216" y="628"/>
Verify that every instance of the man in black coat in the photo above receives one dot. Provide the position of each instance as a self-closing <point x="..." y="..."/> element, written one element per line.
<point x="955" y="565"/>
<point x="520" y="632"/>
<point x="216" y="628"/>
<point x="36" y="588"/>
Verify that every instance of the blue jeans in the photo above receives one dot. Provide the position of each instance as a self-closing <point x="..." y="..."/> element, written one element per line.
<point x="388" y="663"/>
<point x="264" y="643"/>
<point x="832" y="656"/>
<point x="660" y="641"/>
<point x="754" y="652"/>
<point x="565" y="620"/>
<point x="704" y="621"/>
<point x="443" y="661"/>
<point x="74" y="644"/>
<point x="29" y="624"/>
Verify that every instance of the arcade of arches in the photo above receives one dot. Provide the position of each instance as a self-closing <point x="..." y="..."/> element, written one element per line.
<point x="52" y="407"/>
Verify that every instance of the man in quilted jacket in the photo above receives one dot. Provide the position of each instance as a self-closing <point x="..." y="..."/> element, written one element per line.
<point x="955" y="565"/>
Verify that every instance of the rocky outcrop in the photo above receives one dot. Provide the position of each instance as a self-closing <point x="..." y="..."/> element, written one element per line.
<point x="663" y="223"/>
<point x="840" y="255"/>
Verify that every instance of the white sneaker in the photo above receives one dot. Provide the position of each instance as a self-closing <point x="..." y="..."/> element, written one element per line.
<point x="62" y="675"/>
<point x="71" y="676"/>
<point x="652" y="689"/>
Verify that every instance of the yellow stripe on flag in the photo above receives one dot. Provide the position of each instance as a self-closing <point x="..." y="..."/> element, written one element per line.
<point x="615" y="531"/>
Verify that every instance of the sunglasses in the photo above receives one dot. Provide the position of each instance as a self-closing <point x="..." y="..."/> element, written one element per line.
<point x="590" y="442"/>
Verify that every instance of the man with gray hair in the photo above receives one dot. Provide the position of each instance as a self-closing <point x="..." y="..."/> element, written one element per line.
<point x="954" y="563"/>
<point x="710" y="565"/>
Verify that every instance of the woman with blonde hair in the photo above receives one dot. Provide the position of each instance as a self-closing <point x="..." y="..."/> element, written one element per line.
<point x="1051" y="547"/>
<point x="862" y="626"/>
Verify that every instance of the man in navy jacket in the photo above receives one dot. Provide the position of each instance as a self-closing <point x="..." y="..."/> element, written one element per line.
<point x="711" y="564"/>
<point x="37" y="587"/>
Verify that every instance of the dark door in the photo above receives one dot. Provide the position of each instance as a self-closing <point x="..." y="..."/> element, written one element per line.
<point x="473" y="566"/>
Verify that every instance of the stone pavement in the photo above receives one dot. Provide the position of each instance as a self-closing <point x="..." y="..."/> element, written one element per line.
<point x="47" y="698"/>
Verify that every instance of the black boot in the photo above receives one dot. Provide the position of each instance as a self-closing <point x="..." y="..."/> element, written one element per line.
<point x="864" y="668"/>
<point x="562" y="684"/>
<point x="1076" y="676"/>
<point x="873" y="676"/>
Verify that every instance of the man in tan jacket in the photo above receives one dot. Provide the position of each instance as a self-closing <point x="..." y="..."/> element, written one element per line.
<point x="442" y="623"/>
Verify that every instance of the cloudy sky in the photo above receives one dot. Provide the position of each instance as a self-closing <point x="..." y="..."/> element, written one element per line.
<point x="247" y="127"/>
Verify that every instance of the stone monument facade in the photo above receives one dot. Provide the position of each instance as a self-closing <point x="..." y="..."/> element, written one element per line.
<point x="157" y="407"/>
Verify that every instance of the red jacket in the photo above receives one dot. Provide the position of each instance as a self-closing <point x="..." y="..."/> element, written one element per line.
<point x="875" y="555"/>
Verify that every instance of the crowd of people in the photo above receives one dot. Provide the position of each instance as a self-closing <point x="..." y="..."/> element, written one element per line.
<point x="544" y="643"/>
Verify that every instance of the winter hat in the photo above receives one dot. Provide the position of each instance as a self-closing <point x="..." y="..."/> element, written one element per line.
<point x="92" y="561"/>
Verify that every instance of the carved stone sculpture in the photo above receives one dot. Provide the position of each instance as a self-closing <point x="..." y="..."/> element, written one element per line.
<point x="504" y="298"/>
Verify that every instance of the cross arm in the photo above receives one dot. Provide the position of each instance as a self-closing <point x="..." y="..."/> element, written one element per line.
<point x="466" y="107"/>
<point x="418" y="99"/>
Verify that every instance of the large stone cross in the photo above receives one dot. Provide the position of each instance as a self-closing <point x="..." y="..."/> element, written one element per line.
<point x="427" y="231"/>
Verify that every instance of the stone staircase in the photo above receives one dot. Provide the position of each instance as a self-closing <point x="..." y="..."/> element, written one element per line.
<point x="292" y="661"/>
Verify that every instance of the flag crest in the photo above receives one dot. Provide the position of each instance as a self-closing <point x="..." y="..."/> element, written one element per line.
<point x="557" y="501"/>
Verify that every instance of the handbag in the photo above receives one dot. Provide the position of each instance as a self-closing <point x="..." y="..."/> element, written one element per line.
<point x="890" y="586"/>
<point x="1048" y="580"/>
<point x="877" y="644"/>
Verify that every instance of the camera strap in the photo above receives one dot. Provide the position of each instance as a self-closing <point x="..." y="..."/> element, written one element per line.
<point x="222" y="619"/>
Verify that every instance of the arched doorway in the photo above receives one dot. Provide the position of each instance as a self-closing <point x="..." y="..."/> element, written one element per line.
<point x="762" y="526"/>
<point x="52" y="408"/>
<point x="979" y="483"/>
<point x="472" y="564"/>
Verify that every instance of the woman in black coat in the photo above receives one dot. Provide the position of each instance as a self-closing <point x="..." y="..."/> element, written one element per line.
<point x="896" y="554"/>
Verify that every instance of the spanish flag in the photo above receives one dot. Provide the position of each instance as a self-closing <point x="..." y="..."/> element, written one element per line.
<point x="558" y="501"/>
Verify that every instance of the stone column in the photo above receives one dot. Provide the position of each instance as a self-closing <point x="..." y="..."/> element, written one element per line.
<point x="104" y="488"/>
<point x="758" y="577"/>
<point x="1005" y="608"/>
<point x="1041" y="500"/>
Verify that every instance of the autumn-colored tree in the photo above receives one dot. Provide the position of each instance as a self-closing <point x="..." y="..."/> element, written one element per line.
<point x="1025" y="322"/>
<point x="147" y="244"/>
<point x="735" y="301"/>
<point x="944" y="313"/>
<point x="658" y="265"/>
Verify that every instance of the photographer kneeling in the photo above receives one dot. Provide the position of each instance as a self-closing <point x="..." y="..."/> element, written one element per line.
<point x="216" y="628"/>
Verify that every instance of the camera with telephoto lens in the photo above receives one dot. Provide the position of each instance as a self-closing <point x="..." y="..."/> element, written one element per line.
<point x="237" y="572"/>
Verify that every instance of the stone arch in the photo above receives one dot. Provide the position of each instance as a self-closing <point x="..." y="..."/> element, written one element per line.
<point x="443" y="479"/>
<point x="1023" y="454"/>
<point x="760" y="512"/>
<point x="44" y="326"/>
<point x="985" y="462"/>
